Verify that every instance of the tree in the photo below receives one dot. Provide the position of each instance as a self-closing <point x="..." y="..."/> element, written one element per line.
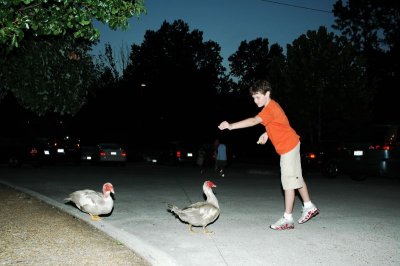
<point x="51" y="75"/>
<point x="51" y="70"/>
<point x="108" y="66"/>
<point x="23" y="18"/>
<point x="374" y="28"/>
<point x="174" y="63"/>
<point x="327" y="92"/>
<point x="369" y="24"/>
<point x="253" y="60"/>
<point x="105" y="109"/>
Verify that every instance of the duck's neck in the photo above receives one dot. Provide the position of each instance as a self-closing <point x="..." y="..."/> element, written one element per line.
<point x="211" y="198"/>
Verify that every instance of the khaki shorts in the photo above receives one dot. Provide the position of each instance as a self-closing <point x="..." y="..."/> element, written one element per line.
<point x="291" y="173"/>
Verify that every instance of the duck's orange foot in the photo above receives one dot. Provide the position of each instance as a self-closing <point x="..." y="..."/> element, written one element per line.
<point x="191" y="229"/>
<point x="206" y="231"/>
<point x="95" y="217"/>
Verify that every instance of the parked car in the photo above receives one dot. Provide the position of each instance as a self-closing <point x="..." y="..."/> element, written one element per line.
<point x="65" y="149"/>
<point x="376" y="151"/>
<point x="169" y="153"/>
<point x="110" y="153"/>
<point x="176" y="153"/>
<point x="16" y="151"/>
<point x="322" y="157"/>
<point x="39" y="152"/>
<point x="88" y="153"/>
<point x="156" y="153"/>
<point x="183" y="153"/>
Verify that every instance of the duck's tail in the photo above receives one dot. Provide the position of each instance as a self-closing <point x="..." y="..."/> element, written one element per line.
<point x="172" y="207"/>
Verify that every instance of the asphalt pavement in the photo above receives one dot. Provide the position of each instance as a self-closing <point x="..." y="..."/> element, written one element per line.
<point x="358" y="223"/>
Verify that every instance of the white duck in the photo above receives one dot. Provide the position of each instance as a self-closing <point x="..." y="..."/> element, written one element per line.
<point x="200" y="213"/>
<point x="92" y="202"/>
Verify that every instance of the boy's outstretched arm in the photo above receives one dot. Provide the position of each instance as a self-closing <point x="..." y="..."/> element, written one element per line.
<point x="249" y="122"/>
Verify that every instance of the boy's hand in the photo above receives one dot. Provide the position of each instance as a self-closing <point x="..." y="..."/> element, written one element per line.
<point x="224" y="125"/>
<point x="263" y="138"/>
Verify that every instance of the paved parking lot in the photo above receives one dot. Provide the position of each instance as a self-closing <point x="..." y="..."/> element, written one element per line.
<point x="358" y="224"/>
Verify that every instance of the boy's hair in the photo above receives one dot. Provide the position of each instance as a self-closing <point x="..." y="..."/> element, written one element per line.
<point x="261" y="86"/>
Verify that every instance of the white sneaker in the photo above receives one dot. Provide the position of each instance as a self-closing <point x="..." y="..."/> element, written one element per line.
<point x="283" y="224"/>
<point x="308" y="213"/>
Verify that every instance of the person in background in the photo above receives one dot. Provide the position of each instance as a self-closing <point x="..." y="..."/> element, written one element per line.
<point x="220" y="158"/>
<point x="287" y="144"/>
<point x="201" y="154"/>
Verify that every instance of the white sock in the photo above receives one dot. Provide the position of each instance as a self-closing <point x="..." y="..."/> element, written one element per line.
<point x="308" y="204"/>
<point x="288" y="216"/>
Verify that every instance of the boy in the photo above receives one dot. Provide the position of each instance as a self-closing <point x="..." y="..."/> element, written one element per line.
<point x="287" y="144"/>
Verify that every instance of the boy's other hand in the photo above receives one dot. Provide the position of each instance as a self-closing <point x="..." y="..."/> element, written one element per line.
<point x="263" y="139"/>
<point x="224" y="125"/>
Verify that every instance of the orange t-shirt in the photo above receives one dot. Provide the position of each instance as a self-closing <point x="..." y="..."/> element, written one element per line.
<point x="283" y="137"/>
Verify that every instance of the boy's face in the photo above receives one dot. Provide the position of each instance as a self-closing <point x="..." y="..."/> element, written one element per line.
<point x="261" y="99"/>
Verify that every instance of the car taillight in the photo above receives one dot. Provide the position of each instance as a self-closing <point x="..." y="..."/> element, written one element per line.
<point x="102" y="153"/>
<point x="33" y="152"/>
<point x="310" y="155"/>
<point x="380" y="147"/>
<point x="178" y="154"/>
<point x="123" y="153"/>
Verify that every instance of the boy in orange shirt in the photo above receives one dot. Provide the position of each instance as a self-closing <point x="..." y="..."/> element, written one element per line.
<point x="287" y="144"/>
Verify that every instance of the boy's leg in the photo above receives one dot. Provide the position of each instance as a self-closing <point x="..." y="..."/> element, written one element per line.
<point x="309" y="209"/>
<point x="303" y="191"/>
<point x="291" y="179"/>
<point x="289" y="200"/>
<point x="286" y="222"/>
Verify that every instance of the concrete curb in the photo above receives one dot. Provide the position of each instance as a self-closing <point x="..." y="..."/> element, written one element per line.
<point x="150" y="253"/>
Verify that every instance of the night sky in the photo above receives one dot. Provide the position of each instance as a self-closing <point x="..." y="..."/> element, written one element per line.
<point x="227" y="22"/>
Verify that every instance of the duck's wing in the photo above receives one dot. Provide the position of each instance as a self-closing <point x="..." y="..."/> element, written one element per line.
<point x="199" y="213"/>
<point x="85" y="198"/>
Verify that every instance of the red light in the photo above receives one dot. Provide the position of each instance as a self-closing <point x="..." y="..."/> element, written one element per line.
<point x="103" y="153"/>
<point x="178" y="154"/>
<point x="123" y="153"/>
<point x="310" y="155"/>
<point x="379" y="147"/>
<point x="33" y="152"/>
